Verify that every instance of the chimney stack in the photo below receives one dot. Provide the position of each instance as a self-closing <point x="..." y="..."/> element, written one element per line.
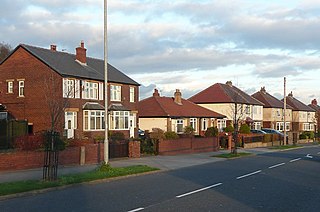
<point x="229" y="83"/>
<point x="290" y="94"/>
<point x="156" y="92"/>
<point x="314" y="102"/>
<point x="177" y="97"/>
<point x="81" y="54"/>
<point x="263" y="90"/>
<point x="53" y="47"/>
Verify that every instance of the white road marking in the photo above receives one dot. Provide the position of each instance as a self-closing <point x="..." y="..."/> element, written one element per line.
<point x="199" y="190"/>
<point x="308" y="156"/>
<point x="135" y="210"/>
<point x="274" y="166"/>
<point x="295" y="160"/>
<point x="247" y="175"/>
<point x="318" y="153"/>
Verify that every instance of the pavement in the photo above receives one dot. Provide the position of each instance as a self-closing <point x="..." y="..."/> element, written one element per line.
<point x="162" y="162"/>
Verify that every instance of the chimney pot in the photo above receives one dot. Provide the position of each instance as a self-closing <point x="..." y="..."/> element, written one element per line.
<point x="53" y="47"/>
<point x="81" y="54"/>
<point x="229" y="83"/>
<point x="156" y="92"/>
<point x="314" y="102"/>
<point x="263" y="90"/>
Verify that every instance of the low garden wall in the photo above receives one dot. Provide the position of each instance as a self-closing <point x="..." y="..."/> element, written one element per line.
<point x="187" y="145"/>
<point x="79" y="155"/>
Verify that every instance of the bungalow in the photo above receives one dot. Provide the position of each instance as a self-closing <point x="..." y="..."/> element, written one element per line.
<point x="174" y="114"/>
<point x="230" y="101"/>
<point x="65" y="92"/>
<point x="303" y="116"/>
<point x="273" y="111"/>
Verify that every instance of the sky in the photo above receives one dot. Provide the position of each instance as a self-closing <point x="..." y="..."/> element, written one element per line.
<point x="183" y="44"/>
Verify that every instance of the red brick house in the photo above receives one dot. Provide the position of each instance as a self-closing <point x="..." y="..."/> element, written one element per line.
<point x="314" y="105"/>
<point x="232" y="102"/>
<point x="46" y="86"/>
<point x="175" y="113"/>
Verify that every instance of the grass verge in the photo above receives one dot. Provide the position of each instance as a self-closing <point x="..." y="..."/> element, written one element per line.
<point x="284" y="147"/>
<point x="30" y="185"/>
<point x="231" y="155"/>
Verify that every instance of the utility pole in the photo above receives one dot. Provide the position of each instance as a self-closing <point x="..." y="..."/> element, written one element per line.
<point x="284" y="113"/>
<point x="106" y="141"/>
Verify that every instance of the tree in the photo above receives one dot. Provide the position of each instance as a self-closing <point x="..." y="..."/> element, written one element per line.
<point x="5" y="50"/>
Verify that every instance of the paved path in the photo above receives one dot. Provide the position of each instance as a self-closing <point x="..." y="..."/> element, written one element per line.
<point x="161" y="162"/>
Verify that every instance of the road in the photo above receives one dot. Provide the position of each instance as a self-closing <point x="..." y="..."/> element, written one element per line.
<point x="280" y="181"/>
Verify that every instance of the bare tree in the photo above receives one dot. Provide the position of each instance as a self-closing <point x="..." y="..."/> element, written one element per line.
<point x="5" y="50"/>
<point x="237" y="117"/>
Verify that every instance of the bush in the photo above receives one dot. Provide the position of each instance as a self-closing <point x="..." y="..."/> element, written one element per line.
<point x="148" y="146"/>
<point x="117" y="136"/>
<point x="307" y="135"/>
<point x="245" y="129"/>
<point x="59" y="144"/>
<point x="228" y="129"/>
<point x="224" y="142"/>
<point x="188" y="130"/>
<point x="29" y="142"/>
<point x="170" y="135"/>
<point x="211" y="132"/>
<point x="157" y="134"/>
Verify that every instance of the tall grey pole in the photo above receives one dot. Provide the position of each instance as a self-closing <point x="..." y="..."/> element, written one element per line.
<point x="284" y="113"/>
<point x="106" y="141"/>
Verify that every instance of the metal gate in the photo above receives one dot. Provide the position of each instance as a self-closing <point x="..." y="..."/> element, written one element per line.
<point x="118" y="149"/>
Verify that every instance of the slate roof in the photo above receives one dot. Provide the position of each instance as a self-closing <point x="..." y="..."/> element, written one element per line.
<point x="223" y="93"/>
<point x="157" y="106"/>
<point x="315" y="107"/>
<point x="66" y="65"/>
<point x="268" y="100"/>
<point x="297" y="105"/>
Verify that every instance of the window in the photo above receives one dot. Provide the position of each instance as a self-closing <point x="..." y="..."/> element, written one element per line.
<point x="204" y="124"/>
<point x="179" y="125"/>
<point x="257" y="125"/>
<point x="221" y="124"/>
<point x="71" y="88"/>
<point x="93" y="120"/>
<point x="119" y="120"/>
<point x="131" y="94"/>
<point x="279" y="126"/>
<point x="115" y="93"/>
<point x="247" y="110"/>
<point x="278" y="113"/>
<point x="90" y="90"/>
<point x="10" y="87"/>
<point x="193" y="124"/>
<point x="21" y="88"/>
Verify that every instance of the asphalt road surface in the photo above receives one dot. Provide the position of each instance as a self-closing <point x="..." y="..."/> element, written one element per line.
<point x="280" y="181"/>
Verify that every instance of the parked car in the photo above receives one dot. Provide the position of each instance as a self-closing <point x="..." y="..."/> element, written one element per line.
<point x="141" y="133"/>
<point x="273" y="131"/>
<point x="258" y="131"/>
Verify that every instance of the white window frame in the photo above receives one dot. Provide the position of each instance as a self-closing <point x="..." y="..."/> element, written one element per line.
<point x="221" y="124"/>
<point x="204" y="124"/>
<point x="119" y="120"/>
<point x="132" y="96"/>
<point x="279" y="126"/>
<point x="179" y="126"/>
<point x="21" y="88"/>
<point x="93" y="120"/>
<point x="10" y="87"/>
<point x="90" y="90"/>
<point x="248" y="109"/>
<point x="193" y="124"/>
<point x="115" y="93"/>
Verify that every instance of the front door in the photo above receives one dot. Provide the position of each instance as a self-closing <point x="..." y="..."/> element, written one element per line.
<point x="70" y="123"/>
<point x="132" y="124"/>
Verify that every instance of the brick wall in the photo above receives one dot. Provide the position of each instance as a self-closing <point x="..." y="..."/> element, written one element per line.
<point x="188" y="145"/>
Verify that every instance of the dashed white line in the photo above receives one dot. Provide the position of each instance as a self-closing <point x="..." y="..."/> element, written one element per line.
<point x="135" y="210"/>
<point x="247" y="175"/>
<point x="274" y="166"/>
<point x="308" y="156"/>
<point x="294" y="160"/>
<point x="318" y="153"/>
<point x="199" y="190"/>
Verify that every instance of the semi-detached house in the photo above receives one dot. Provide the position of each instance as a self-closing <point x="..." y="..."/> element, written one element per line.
<point x="37" y="82"/>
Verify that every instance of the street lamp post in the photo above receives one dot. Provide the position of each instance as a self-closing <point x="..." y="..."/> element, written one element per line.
<point x="106" y="142"/>
<point x="284" y="113"/>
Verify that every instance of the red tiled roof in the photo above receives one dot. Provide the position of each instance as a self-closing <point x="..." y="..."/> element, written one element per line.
<point x="297" y="105"/>
<point x="268" y="100"/>
<point x="223" y="93"/>
<point x="157" y="106"/>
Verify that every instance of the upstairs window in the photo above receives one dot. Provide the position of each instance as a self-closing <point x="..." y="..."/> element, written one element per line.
<point x="90" y="90"/>
<point x="115" y="92"/>
<point x="21" y="88"/>
<point x="71" y="88"/>
<point x="131" y="94"/>
<point x="10" y="87"/>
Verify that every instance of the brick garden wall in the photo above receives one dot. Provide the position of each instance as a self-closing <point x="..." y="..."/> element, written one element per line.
<point x="19" y="160"/>
<point x="187" y="145"/>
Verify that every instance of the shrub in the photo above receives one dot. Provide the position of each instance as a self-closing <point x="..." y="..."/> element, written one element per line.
<point x="59" y="144"/>
<point x="224" y="142"/>
<point x="307" y="135"/>
<point x="188" y="130"/>
<point x="211" y="132"/>
<point x="148" y="146"/>
<point x="245" y="129"/>
<point x="29" y="142"/>
<point x="228" y="129"/>
<point x="117" y="136"/>
<point x="170" y="135"/>
<point x="157" y="134"/>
